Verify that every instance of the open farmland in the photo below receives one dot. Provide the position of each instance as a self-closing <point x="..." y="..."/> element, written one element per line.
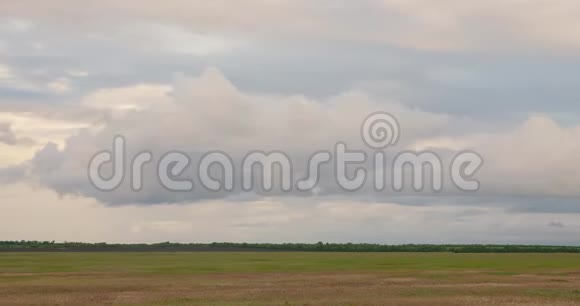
<point x="293" y="278"/>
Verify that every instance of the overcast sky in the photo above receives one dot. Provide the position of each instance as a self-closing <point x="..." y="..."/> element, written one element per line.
<point x="496" y="77"/>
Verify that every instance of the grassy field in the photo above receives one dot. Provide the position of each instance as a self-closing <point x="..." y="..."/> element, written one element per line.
<point x="225" y="278"/>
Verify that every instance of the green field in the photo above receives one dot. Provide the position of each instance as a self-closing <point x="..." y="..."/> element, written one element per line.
<point x="288" y="278"/>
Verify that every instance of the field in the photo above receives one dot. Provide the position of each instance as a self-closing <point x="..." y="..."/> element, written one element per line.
<point x="290" y="278"/>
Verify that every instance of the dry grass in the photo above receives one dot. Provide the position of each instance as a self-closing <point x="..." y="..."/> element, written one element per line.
<point x="364" y="288"/>
<point x="288" y="279"/>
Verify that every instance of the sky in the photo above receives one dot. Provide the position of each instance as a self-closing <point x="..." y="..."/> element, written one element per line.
<point x="499" y="78"/>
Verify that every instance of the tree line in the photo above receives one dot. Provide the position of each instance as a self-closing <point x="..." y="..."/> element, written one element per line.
<point x="304" y="247"/>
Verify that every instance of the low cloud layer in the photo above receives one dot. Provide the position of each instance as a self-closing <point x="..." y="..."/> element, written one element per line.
<point x="273" y="220"/>
<point x="208" y="113"/>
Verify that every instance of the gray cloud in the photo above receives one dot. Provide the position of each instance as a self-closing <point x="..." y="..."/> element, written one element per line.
<point x="8" y="137"/>
<point x="74" y="218"/>
<point x="12" y="174"/>
<point x="449" y="25"/>
<point x="503" y="88"/>
<point x="6" y="134"/>
<point x="209" y="113"/>
<point x="556" y="224"/>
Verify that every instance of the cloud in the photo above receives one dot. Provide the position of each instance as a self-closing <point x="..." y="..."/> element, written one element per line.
<point x="178" y="40"/>
<point x="76" y="218"/>
<point x="535" y="160"/>
<point x="8" y="78"/>
<point x="59" y="86"/>
<point x="24" y="133"/>
<point x="8" y="137"/>
<point x="6" y="134"/>
<point x="142" y="45"/>
<point x="207" y="113"/>
<point x="446" y="25"/>
<point x="126" y="99"/>
<point x="496" y="77"/>
<point x="16" y="83"/>
<point x="41" y="127"/>
<point x="539" y="157"/>
<point x="12" y="174"/>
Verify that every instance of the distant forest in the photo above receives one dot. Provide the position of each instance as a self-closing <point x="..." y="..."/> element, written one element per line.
<point x="7" y="246"/>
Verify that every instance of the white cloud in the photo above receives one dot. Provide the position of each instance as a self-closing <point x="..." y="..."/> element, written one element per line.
<point x="176" y="39"/>
<point x="536" y="158"/>
<point x="539" y="157"/>
<point x="133" y="98"/>
<point x="59" y="86"/>
<point x="210" y="113"/>
<point x="39" y="129"/>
